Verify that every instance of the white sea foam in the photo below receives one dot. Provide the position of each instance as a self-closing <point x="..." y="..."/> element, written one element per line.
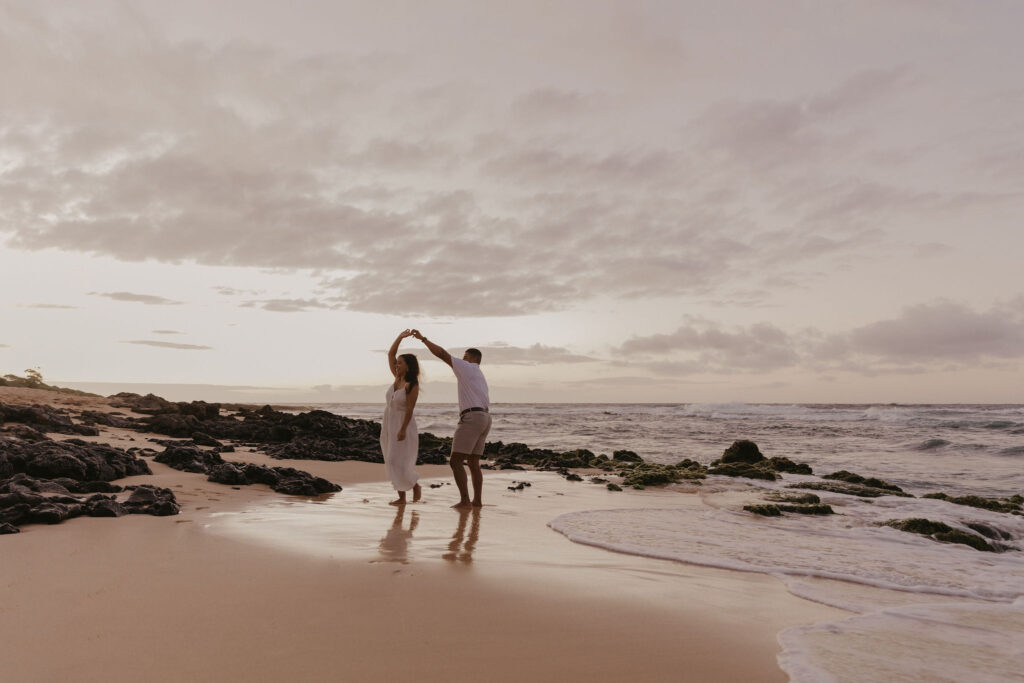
<point x="848" y="547"/>
<point x="929" y="611"/>
<point x="929" y="643"/>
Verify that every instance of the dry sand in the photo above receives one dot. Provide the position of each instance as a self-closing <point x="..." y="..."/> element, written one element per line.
<point x="253" y="585"/>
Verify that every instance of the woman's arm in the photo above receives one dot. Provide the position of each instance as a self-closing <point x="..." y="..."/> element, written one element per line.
<point x="410" y="404"/>
<point x="393" y="351"/>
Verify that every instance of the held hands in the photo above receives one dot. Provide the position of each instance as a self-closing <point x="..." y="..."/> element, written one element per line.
<point x="417" y="334"/>
<point x="406" y="333"/>
<point x="401" y="434"/>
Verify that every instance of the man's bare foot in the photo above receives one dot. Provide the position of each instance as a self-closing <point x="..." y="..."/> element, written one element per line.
<point x="417" y="493"/>
<point x="477" y="504"/>
<point x="463" y="505"/>
<point x="400" y="501"/>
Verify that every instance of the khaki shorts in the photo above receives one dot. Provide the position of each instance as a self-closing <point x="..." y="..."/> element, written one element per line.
<point x="471" y="433"/>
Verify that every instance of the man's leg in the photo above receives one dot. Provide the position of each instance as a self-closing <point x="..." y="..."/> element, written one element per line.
<point x="478" y="479"/>
<point x="457" y="462"/>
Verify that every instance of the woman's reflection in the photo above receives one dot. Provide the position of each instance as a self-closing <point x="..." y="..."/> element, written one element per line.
<point x="395" y="544"/>
<point x="460" y="549"/>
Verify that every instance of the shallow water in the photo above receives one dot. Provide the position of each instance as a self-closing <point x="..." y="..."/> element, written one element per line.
<point x="928" y="611"/>
<point x="959" y="449"/>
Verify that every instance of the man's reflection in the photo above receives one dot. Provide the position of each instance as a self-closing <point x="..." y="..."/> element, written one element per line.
<point x="395" y="544"/>
<point x="460" y="549"/>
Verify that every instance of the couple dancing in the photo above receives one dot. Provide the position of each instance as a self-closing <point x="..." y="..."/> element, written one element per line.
<point x="399" y="438"/>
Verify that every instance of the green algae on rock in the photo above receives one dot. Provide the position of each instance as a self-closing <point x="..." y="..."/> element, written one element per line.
<point x="793" y="498"/>
<point x="940" y="532"/>
<point x="1007" y="505"/>
<point x="766" y="510"/>
<point x="808" y="509"/>
<point x="851" y="478"/>
<point x="652" y="474"/>
<point x="848" y="489"/>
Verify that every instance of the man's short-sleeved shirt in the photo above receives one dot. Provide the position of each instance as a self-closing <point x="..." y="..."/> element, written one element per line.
<point x="473" y="391"/>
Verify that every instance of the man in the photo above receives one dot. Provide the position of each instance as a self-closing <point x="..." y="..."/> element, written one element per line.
<point x="474" y="419"/>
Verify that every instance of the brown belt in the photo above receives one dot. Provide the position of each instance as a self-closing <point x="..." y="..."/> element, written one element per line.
<point x="473" y="410"/>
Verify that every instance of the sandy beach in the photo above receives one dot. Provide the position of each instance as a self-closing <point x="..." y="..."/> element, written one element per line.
<point x="250" y="584"/>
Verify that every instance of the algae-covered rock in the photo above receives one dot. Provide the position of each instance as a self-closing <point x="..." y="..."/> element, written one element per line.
<point x="941" y="532"/>
<point x="652" y="474"/>
<point x="766" y="510"/>
<point x="808" y="509"/>
<point x="964" y="538"/>
<point x="613" y="487"/>
<point x="848" y="489"/>
<point x="687" y="464"/>
<point x="1008" y="505"/>
<point x="793" y="498"/>
<point x="989" y="531"/>
<point x="851" y="478"/>
<point x="742" y="469"/>
<point x="626" y="456"/>
<point x="742" y="451"/>
<point x="786" y="465"/>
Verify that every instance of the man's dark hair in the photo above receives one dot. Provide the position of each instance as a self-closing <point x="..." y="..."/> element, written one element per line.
<point x="475" y="355"/>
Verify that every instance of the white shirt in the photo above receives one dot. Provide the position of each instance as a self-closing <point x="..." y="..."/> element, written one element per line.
<point x="472" y="385"/>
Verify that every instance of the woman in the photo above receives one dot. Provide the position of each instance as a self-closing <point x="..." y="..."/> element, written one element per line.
<point x="399" y="438"/>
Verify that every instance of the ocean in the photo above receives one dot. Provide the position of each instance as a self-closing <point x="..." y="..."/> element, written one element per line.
<point x="922" y="610"/>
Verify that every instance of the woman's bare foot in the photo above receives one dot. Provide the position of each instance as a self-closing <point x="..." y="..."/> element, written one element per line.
<point x="417" y="493"/>
<point x="399" y="501"/>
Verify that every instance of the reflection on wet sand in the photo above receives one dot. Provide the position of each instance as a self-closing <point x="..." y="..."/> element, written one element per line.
<point x="460" y="549"/>
<point x="395" y="544"/>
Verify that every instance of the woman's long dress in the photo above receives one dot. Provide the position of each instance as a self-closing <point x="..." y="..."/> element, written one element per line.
<point x="399" y="456"/>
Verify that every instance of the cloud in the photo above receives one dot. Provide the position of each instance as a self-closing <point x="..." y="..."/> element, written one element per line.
<point x="287" y="305"/>
<point x="166" y="332"/>
<point x="147" y="299"/>
<point x="943" y="331"/>
<point x="760" y="348"/>
<point x="4" y="346"/>
<point x="941" y="336"/>
<point x="170" y="345"/>
<point x="52" y="306"/>
<point x="231" y="291"/>
<point x="498" y="353"/>
<point x="501" y="187"/>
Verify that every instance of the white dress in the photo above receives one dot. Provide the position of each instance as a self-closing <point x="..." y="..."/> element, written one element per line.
<point x="399" y="456"/>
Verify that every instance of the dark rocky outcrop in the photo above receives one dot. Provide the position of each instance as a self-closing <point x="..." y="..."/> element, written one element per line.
<point x="44" y="419"/>
<point x="741" y="451"/>
<point x="744" y="459"/>
<point x="151" y="500"/>
<point x="72" y="459"/>
<point x="281" y="479"/>
<point x="27" y="500"/>
<point x="95" y="417"/>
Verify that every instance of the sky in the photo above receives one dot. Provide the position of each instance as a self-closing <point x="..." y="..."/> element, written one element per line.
<point x="679" y="201"/>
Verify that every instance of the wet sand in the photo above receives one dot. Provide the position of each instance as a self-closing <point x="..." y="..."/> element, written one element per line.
<point x="252" y="585"/>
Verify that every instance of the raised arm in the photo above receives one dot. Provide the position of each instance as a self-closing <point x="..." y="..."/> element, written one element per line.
<point x="433" y="348"/>
<point x="393" y="351"/>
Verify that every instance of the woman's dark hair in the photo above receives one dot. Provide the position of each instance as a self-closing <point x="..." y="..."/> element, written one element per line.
<point x="412" y="373"/>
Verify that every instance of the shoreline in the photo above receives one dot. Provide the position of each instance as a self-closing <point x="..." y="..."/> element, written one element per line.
<point x="208" y="605"/>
